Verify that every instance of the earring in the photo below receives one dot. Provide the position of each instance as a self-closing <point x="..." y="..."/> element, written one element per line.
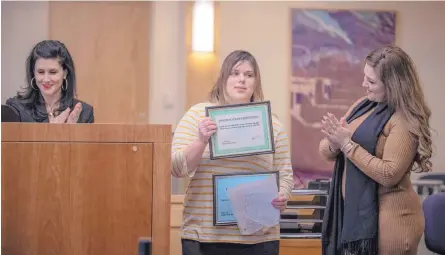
<point x="34" y="88"/>
<point x="66" y="84"/>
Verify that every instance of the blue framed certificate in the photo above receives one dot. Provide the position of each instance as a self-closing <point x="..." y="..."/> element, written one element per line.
<point x="242" y="130"/>
<point x="222" y="209"/>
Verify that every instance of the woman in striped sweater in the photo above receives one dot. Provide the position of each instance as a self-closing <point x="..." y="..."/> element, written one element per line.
<point x="238" y="82"/>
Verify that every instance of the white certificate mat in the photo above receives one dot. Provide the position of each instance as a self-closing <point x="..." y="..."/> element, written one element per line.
<point x="242" y="130"/>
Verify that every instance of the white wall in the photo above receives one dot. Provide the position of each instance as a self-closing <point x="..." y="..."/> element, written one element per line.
<point x="263" y="28"/>
<point x="167" y="63"/>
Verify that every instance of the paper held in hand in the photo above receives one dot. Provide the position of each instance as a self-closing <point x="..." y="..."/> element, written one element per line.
<point x="252" y="205"/>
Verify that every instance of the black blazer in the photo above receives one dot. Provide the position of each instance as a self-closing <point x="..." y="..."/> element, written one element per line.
<point x="86" y="116"/>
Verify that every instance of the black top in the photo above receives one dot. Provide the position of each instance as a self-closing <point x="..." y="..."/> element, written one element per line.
<point x="25" y="115"/>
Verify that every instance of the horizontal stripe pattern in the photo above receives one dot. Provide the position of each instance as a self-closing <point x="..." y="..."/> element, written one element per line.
<point x="198" y="203"/>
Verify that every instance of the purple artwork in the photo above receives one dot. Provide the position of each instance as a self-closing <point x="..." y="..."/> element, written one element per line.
<point x="328" y="50"/>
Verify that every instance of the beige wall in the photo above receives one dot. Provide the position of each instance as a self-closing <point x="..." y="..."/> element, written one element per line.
<point x="260" y="27"/>
<point x="263" y="28"/>
<point x="23" y="24"/>
<point x="167" y="63"/>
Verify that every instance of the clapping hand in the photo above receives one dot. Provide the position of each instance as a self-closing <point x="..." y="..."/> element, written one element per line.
<point x="68" y="116"/>
<point x="337" y="132"/>
<point x="74" y="115"/>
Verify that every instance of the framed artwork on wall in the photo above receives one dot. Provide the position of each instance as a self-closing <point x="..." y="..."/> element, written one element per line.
<point x="328" y="51"/>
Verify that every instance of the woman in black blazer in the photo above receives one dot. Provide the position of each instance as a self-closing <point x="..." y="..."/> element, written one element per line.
<point x="50" y="93"/>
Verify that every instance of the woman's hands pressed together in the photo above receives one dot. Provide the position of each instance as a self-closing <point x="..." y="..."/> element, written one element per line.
<point x="337" y="132"/>
<point x="68" y="116"/>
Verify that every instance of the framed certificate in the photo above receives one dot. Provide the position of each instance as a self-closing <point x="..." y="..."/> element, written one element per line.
<point x="242" y="130"/>
<point x="222" y="209"/>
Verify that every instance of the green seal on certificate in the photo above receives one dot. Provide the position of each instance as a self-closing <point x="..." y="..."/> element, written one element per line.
<point x="222" y="183"/>
<point x="242" y="130"/>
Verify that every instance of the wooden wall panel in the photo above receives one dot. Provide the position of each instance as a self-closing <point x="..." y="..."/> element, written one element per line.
<point x="109" y="42"/>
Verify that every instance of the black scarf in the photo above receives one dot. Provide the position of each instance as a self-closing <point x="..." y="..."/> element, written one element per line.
<point x="352" y="227"/>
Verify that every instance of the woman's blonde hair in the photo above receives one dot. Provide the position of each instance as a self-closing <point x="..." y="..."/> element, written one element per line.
<point x="218" y="92"/>
<point x="404" y="93"/>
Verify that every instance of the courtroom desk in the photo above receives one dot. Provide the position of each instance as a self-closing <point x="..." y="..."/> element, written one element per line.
<point x="287" y="246"/>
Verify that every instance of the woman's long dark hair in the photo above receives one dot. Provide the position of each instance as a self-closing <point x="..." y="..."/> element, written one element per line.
<point x="32" y="98"/>
<point x="404" y="92"/>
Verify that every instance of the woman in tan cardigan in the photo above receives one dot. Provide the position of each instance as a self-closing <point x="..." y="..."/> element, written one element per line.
<point x="372" y="207"/>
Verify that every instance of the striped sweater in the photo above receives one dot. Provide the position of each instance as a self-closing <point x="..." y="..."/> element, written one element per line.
<point x="198" y="202"/>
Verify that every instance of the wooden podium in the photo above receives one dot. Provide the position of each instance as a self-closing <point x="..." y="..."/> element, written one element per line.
<point x="70" y="189"/>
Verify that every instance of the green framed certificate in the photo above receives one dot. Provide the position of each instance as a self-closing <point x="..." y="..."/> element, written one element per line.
<point x="242" y="130"/>
<point x="222" y="207"/>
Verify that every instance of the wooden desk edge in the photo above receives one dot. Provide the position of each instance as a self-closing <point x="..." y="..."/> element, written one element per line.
<point x="100" y="132"/>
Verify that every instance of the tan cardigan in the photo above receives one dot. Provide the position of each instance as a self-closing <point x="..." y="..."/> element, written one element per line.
<point x="401" y="221"/>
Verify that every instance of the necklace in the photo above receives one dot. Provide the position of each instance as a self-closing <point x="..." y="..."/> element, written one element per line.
<point x="50" y="110"/>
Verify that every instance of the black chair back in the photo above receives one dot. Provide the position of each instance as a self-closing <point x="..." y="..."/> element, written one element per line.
<point x="9" y="114"/>
<point x="433" y="208"/>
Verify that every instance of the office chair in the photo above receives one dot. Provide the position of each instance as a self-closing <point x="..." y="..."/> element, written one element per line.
<point x="9" y="114"/>
<point x="433" y="208"/>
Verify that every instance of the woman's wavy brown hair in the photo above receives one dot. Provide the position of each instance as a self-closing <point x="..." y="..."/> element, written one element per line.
<point x="404" y="93"/>
<point x="218" y="92"/>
